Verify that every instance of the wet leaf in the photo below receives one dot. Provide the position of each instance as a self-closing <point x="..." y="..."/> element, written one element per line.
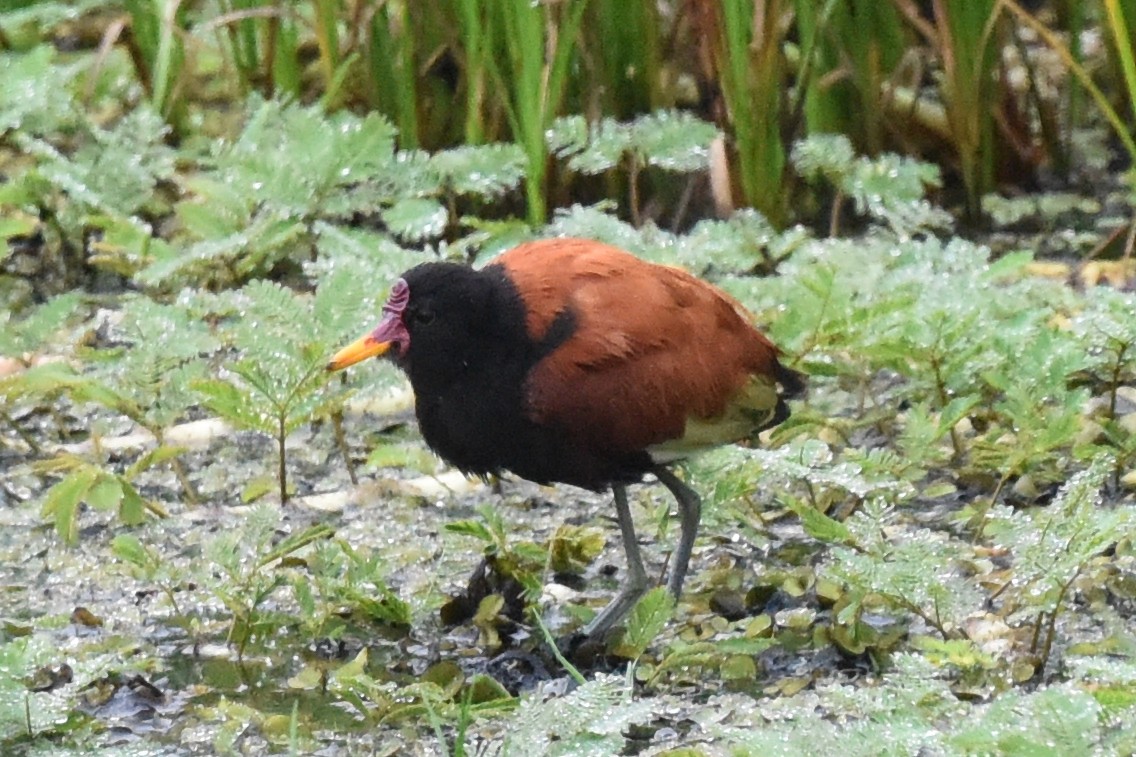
<point x="295" y="542"/>
<point x="788" y="687"/>
<point x="937" y="489"/>
<point x="474" y="528"/>
<point x="277" y="727"/>
<point x="257" y="488"/>
<point x="447" y="676"/>
<point x="356" y="667"/>
<point x="488" y="171"/>
<point x="817" y="524"/>
<point x="483" y="689"/>
<point x="761" y="625"/>
<point x="486" y="619"/>
<point x="151" y="458"/>
<point x="129" y="547"/>
<point x="854" y="638"/>
<point x="61" y="504"/>
<point x="416" y="219"/>
<point x="646" y="619"/>
<point x="311" y="676"/>
<point x="406" y="455"/>
<point x="674" y="140"/>
<point x="105" y="494"/>
<point x="744" y="645"/>
<point x="572" y="548"/>
<point x="738" y="668"/>
<point x="132" y="509"/>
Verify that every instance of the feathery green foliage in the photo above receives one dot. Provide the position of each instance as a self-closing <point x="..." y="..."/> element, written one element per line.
<point x="26" y="714"/>
<point x="591" y="719"/>
<point x="1053" y="547"/>
<point x="239" y="571"/>
<point x="255" y="206"/>
<point x="340" y="576"/>
<point x="35" y="108"/>
<point x="889" y="188"/>
<point x="278" y="382"/>
<point x="30" y="334"/>
<point x="92" y="484"/>
<point x="111" y="178"/>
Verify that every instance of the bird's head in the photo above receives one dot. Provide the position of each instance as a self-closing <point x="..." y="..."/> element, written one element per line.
<point x="390" y="334"/>
<point x="434" y="313"/>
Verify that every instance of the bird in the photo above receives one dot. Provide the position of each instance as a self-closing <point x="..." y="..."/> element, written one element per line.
<point x="571" y="361"/>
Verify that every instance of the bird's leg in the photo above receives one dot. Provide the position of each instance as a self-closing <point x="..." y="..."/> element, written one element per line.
<point x="689" y="513"/>
<point x="636" y="584"/>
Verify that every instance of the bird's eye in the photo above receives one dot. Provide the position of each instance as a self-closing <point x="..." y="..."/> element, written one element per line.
<point x="423" y="317"/>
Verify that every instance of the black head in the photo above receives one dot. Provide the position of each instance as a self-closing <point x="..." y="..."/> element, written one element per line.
<point x="440" y="317"/>
<point x="447" y="315"/>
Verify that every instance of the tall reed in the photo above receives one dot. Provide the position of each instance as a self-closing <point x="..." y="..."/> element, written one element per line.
<point x="751" y="68"/>
<point x="850" y="49"/>
<point x="532" y="49"/>
<point x="1120" y="18"/>
<point x="157" y="50"/>
<point x="391" y="70"/>
<point x="968" y="35"/>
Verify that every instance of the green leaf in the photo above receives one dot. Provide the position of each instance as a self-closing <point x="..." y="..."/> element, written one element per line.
<point x="42" y="324"/>
<point x="962" y="653"/>
<point x="356" y="667"/>
<point x="488" y="171"/>
<point x="310" y="677"/>
<point x="674" y="140"/>
<point x="106" y="493"/>
<point x="738" y="668"/>
<point x="683" y="655"/>
<point x="35" y="98"/>
<point x="152" y="457"/>
<point x="416" y="219"/>
<point x="258" y="487"/>
<point x="645" y="621"/>
<point x="224" y="213"/>
<point x="235" y="405"/>
<point x="746" y="646"/>
<point x="129" y="548"/>
<point x="61" y="503"/>
<point x="817" y="524"/>
<point x="890" y="188"/>
<point x="483" y="689"/>
<point x="567" y="135"/>
<point x="404" y="455"/>
<point x="607" y="142"/>
<point x="132" y="511"/>
<point x="474" y="528"/>
<point x="955" y="411"/>
<point x="296" y="542"/>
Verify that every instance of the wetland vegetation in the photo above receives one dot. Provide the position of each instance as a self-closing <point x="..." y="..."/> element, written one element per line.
<point x="211" y="546"/>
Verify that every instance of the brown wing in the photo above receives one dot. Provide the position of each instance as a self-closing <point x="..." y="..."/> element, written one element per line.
<point x="653" y="348"/>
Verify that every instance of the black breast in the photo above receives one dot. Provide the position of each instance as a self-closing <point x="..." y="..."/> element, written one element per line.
<point x="468" y="370"/>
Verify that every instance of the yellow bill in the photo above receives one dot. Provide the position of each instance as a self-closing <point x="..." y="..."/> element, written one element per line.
<point x="362" y="348"/>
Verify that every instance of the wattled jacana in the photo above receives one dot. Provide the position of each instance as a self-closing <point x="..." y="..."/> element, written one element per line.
<point x="568" y="360"/>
